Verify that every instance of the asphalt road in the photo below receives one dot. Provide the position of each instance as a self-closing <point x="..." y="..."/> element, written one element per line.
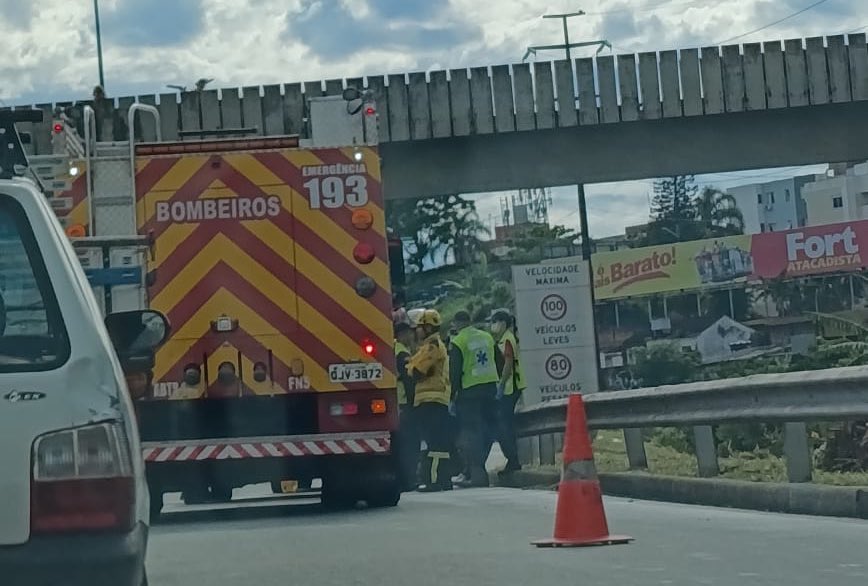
<point x="479" y="537"/>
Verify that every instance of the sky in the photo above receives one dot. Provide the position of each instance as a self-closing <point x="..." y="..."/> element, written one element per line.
<point x="147" y="44"/>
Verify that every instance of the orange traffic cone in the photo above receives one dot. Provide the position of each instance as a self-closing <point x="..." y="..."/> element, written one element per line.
<point x="580" y="519"/>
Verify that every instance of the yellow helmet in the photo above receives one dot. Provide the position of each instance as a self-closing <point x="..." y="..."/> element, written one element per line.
<point x="430" y="317"/>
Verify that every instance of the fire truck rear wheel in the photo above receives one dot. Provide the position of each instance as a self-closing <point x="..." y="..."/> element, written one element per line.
<point x="383" y="486"/>
<point x="387" y="496"/>
<point x="336" y="498"/>
<point x="221" y="493"/>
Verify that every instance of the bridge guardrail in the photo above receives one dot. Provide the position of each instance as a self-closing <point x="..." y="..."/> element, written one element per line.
<point x="788" y="398"/>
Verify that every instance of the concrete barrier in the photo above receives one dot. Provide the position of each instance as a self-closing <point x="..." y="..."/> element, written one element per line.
<point x="802" y="499"/>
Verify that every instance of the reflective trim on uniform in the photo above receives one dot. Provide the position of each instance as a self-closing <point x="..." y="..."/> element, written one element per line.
<point x="435" y="463"/>
<point x="518" y="371"/>
<point x="580" y="470"/>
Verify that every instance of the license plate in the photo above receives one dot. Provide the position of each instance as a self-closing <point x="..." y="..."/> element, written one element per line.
<point x="355" y="373"/>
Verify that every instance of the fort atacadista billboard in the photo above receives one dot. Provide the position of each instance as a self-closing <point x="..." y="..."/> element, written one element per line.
<point x="802" y="252"/>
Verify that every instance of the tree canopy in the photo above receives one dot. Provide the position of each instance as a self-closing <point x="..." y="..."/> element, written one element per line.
<point x="444" y="224"/>
<point x="681" y="212"/>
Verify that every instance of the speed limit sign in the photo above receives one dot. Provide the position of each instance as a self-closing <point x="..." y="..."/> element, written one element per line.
<point x="553" y="307"/>
<point x="559" y="366"/>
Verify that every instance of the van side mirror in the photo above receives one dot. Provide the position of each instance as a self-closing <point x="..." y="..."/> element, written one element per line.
<point x="136" y="335"/>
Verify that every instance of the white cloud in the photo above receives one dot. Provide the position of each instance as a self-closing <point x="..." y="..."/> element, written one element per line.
<point x="50" y="47"/>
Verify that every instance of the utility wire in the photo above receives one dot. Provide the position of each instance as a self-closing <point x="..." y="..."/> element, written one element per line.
<point x="771" y="24"/>
<point x="649" y="8"/>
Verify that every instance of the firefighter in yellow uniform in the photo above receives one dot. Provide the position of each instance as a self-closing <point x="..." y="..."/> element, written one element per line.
<point x="510" y="387"/>
<point x="429" y="367"/>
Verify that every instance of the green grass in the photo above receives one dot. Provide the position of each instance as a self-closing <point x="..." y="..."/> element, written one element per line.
<point x="611" y="456"/>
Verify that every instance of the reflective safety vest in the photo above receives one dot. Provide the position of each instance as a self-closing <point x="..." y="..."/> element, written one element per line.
<point x="477" y="352"/>
<point x="517" y="379"/>
<point x="402" y="392"/>
<point x="432" y="361"/>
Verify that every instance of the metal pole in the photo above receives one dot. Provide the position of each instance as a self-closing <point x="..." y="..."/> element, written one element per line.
<point x="98" y="44"/>
<point x="566" y="36"/>
<point x="583" y="218"/>
<point x="586" y="256"/>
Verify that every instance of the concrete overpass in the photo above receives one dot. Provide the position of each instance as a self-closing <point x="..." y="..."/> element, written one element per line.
<point x="610" y="118"/>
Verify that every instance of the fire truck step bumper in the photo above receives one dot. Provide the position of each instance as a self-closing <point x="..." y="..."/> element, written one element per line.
<point x="268" y="447"/>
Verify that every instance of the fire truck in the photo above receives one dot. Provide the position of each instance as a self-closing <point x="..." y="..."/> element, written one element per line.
<point x="270" y="258"/>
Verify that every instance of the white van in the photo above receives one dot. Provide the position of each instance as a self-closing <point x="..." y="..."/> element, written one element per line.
<point x="73" y="497"/>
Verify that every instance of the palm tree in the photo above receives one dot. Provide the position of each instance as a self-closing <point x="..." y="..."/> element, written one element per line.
<point x="718" y="212"/>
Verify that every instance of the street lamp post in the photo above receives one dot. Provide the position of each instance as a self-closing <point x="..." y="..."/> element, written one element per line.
<point x="98" y="43"/>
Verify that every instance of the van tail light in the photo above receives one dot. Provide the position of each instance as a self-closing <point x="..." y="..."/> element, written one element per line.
<point x="82" y="481"/>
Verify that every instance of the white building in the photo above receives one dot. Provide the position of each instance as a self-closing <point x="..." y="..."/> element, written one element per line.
<point x="773" y="206"/>
<point x="839" y="198"/>
<point x="725" y="339"/>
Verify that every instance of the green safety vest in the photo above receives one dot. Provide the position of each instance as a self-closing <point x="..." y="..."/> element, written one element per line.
<point x="402" y="392"/>
<point x="517" y="372"/>
<point x="477" y="351"/>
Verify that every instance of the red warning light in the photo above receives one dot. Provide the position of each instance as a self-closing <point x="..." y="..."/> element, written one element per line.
<point x="364" y="253"/>
<point x="58" y="128"/>
<point x="369" y="348"/>
<point x="370" y="111"/>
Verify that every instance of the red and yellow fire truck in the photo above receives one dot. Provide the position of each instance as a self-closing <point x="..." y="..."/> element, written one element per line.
<point x="270" y="258"/>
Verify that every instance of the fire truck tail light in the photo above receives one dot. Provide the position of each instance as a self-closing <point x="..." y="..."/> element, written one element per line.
<point x="344" y="408"/>
<point x="378" y="406"/>
<point x="363" y="253"/>
<point x="369" y="348"/>
<point x="362" y="219"/>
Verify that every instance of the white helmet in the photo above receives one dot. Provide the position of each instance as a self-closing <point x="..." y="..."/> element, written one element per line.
<point x="414" y="314"/>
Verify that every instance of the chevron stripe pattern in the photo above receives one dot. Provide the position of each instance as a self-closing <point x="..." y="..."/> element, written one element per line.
<point x="246" y="236"/>
<point x="287" y="448"/>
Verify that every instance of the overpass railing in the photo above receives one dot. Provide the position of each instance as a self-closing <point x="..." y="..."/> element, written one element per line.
<point x="792" y="399"/>
<point x="516" y="97"/>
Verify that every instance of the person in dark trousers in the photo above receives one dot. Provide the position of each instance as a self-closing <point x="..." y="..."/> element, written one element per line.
<point x="429" y="368"/>
<point x="510" y="386"/>
<point x="473" y="377"/>
<point x="408" y="434"/>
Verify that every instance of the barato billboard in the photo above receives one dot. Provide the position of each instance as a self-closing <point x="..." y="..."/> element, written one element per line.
<point x="715" y="262"/>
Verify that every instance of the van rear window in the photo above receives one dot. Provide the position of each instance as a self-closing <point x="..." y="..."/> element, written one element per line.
<point x="32" y="332"/>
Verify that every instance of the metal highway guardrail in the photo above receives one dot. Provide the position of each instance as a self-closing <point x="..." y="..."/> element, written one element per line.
<point x="792" y="399"/>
